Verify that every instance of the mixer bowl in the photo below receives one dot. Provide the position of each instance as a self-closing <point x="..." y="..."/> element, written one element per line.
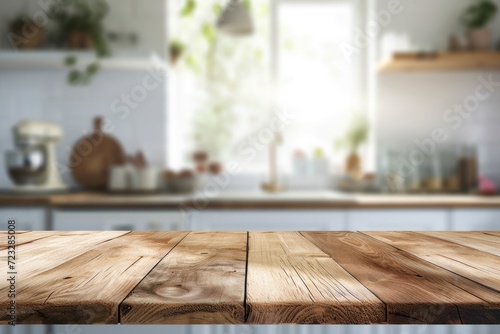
<point x="27" y="166"/>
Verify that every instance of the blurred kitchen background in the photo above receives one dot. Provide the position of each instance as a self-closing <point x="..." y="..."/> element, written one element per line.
<point x="251" y="115"/>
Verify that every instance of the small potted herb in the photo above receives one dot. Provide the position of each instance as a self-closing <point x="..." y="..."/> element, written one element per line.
<point x="476" y="18"/>
<point x="176" y="50"/>
<point x="356" y="135"/>
<point x="25" y="34"/>
<point x="80" y="25"/>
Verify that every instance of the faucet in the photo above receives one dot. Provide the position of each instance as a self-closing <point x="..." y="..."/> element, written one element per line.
<point x="273" y="185"/>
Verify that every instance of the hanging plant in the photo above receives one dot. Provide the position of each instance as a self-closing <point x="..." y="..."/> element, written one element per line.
<point x="81" y="27"/>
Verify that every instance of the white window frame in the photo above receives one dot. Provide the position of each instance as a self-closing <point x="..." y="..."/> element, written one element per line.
<point x="363" y="63"/>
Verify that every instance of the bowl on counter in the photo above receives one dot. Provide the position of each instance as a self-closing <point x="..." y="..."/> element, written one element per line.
<point x="184" y="182"/>
<point x="27" y="166"/>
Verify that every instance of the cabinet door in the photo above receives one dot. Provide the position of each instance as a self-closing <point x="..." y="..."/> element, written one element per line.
<point x="27" y="219"/>
<point x="398" y="220"/>
<point x="118" y="329"/>
<point x="70" y="220"/>
<point x="27" y="329"/>
<point x="410" y="329"/>
<point x="474" y="329"/>
<point x="268" y="220"/>
<point x="476" y="219"/>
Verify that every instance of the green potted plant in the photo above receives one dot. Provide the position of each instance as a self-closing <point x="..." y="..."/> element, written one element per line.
<point x="81" y="27"/>
<point x="356" y="135"/>
<point x="176" y="50"/>
<point x="25" y="33"/>
<point x="476" y="18"/>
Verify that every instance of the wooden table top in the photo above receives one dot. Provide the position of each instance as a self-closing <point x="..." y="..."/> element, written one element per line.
<point x="254" y="277"/>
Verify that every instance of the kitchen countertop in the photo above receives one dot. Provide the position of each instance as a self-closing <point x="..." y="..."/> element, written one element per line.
<point x="255" y="278"/>
<point x="248" y="200"/>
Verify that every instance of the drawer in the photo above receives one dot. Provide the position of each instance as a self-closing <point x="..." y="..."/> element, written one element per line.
<point x="398" y="220"/>
<point x="271" y="220"/>
<point x="71" y="220"/>
<point x="24" y="329"/>
<point x="476" y="219"/>
<point x="26" y="218"/>
<point x="118" y="329"/>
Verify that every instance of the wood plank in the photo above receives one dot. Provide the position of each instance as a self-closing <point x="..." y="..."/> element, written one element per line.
<point x="478" y="240"/>
<point x="476" y="265"/>
<point x="290" y="280"/>
<point x="49" y="249"/>
<point x="23" y="237"/>
<point x="414" y="291"/>
<point x="88" y="288"/>
<point x="462" y="266"/>
<point x="202" y="281"/>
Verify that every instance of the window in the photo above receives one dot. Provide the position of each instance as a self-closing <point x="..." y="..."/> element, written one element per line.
<point x="225" y="89"/>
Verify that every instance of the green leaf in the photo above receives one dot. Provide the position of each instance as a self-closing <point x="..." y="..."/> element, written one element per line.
<point x="479" y="15"/>
<point x="192" y="64"/>
<point x="92" y="69"/>
<point x="319" y="153"/>
<point x="70" y="60"/>
<point x="75" y="78"/>
<point x="188" y="8"/>
<point x="217" y="9"/>
<point x="247" y="4"/>
<point x="208" y="32"/>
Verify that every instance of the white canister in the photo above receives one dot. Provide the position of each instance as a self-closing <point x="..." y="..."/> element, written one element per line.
<point x="144" y="179"/>
<point x="119" y="178"/>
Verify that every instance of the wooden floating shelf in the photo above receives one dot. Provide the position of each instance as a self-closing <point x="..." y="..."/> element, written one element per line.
<point x="442" y="61"/>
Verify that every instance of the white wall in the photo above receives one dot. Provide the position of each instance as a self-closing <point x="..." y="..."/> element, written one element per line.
<point x="147" y="19"/>
<point x="411" y="105"/>
<point x="44" y="94"/>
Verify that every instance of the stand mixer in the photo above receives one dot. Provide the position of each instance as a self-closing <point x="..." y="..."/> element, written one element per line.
<point x="32" y="165"/>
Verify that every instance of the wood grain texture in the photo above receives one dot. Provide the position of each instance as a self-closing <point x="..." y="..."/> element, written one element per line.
<point x="290" y="277"/>
<point x="470" y="274"/>
<point x="476" y="265"/>
<point x="47" y="249"/>
<point x="414" y="291"/>
<point x="202" y="281"/>
<point x="481" y="241"/>
<point x="87" y="288"/>
<point x="290" y="280"/>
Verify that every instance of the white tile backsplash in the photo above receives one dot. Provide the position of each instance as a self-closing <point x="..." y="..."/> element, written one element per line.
<point x="45" y="95"/>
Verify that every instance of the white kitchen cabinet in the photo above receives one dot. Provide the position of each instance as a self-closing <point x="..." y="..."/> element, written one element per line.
<point x="270" y="329"/>
<point x="475" y="219"/>
<point x="25" y="329"/>
<point x="410" y="329"/>
<point x="398" y="220"/>
<point x="111" y="220"/>
<point x="27" y="219"/>
<point x="118" y="329"/>
<point x="268" y="220"/>
<point x="477" y="329"/>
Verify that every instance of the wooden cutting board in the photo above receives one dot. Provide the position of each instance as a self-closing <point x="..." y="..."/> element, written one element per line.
<point x="93" y="156"/>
